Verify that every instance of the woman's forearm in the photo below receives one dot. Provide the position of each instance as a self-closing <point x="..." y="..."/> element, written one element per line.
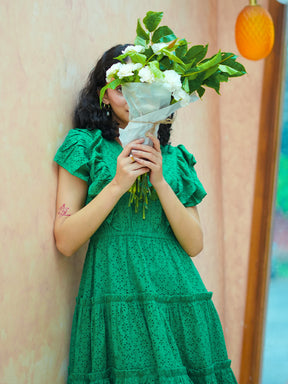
<point x="73" y="231"/>
<point x="185" y="225"/>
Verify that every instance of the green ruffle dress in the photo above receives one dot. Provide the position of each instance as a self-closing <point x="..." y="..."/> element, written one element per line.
<point x="143" y="314"/>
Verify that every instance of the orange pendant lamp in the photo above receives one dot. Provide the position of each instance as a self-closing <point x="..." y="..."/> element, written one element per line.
<point x="254" y="32"/>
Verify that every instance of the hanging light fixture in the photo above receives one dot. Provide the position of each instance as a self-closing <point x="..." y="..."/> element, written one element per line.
<point x="254" y="31"/>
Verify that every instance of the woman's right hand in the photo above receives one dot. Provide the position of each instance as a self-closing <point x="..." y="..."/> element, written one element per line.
<point x="127" y="168"/>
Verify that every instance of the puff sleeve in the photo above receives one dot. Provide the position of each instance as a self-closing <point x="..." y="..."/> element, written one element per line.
<point x="190" y="191"/>
<point x="74" y="153"/>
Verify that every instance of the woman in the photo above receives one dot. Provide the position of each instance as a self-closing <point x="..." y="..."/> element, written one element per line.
<point x="143" y="314"/>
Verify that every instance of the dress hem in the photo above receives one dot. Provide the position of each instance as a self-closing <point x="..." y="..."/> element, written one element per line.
<point x="219" y="372"/>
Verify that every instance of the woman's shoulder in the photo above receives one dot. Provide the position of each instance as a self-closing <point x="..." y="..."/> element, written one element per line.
<point x="179" y="153"/>
<point x="76" y="134"/>
<point x="80" y="146"/>
<point x="78" y="138"/>
<point x="178" y="165"/>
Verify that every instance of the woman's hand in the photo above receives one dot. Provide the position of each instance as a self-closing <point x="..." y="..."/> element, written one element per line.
<point x="127" y="168"/>
<point x="151" y="158"/>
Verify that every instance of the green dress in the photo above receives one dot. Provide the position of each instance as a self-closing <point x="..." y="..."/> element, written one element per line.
<point x="143" y="314"/>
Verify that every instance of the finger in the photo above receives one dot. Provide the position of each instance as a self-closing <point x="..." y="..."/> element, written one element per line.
<point x="146" y="163"/>
<point x="134" y="166"/>
<point x="126" y="160"/>
<point x="127" y="149"/>
<point x="141" y="171"/>
<point x="155" y="141"/>
<point x="143" y="148"/>
<point x="144" y="155"/>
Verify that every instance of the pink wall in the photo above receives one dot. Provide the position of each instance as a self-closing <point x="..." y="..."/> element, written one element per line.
<point x="47" y="50"/>
<point x="239" y="121"/>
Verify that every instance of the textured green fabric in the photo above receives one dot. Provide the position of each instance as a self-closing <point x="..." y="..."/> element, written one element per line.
<point x="143" y="314"/>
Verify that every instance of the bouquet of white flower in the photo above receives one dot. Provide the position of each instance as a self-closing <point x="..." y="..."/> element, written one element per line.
<point x="159" y="56"/>
<point x="162" y="75"/>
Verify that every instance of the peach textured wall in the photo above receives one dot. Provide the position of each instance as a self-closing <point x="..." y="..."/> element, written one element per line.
<point x="239" y="124"/>
<point x="47" y="50"/>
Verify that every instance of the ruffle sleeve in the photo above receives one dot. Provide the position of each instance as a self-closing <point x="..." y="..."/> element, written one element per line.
<point x="190" y="191"/>
<point x="75" y="153"/>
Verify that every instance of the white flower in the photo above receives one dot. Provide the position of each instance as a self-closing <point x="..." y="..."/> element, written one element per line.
<point x="112" y="71"/>
<point x="172" y="80"/>
<point x="146" y="76"/>
<point x="128" y="70"/>
<point x="180" y="94"/>
<point x="133" y="48"/>
<point x="157" y="47"/>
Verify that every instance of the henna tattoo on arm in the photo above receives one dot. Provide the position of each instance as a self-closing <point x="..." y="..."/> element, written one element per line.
<point x="63" y="211"/>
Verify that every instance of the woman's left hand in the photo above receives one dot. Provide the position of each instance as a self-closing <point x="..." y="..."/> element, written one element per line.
<point x="151" y="158"/>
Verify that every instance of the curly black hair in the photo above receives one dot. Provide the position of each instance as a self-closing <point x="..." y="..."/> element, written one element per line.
<point x="89" y="115"/>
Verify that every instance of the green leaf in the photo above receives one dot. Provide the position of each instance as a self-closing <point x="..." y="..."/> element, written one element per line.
<point x="200" y="91"/>
<point x="163" y="35"/>
<point x="234" y="64"/>
<point x="179" y="69"/>
<point x="197" y="52"/>
<point x="233" y="68"/>
<point x="152" y="20"/>
<point x="154" y="67"/>
<point x="185" y="85"/>
<point x="148" y="52"/>
<point x="139" y="41"/>
<point x="196" y="83"/>
<point x="229" y="58"/>
<point x="112" y="85"/>
<point x="165" y="63"/>
<point x="213" y="82"/>
<point x="172" y="56"/>
<point x="191" y="75"/>
<point x="181" y="50"/>
<point x="228" y="55"/>
<point x="141" y="33"/>
<point x="231" y="71"/>
<point x="223" y="76"/>
<point x="138" y="57"/>
<point x="208" y="63"/>
<point x="121" y="58"/>
<point x="211" y="71"/>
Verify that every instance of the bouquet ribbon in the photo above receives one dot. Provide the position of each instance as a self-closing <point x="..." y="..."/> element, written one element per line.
<point x="152" y="130"/>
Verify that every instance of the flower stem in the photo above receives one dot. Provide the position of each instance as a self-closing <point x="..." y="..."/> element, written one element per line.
<point x="147" y="61"/>
<point x="140" y="192"/>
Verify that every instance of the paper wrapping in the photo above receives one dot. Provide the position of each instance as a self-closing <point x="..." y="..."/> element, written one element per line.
<point x="148" y="104"/>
